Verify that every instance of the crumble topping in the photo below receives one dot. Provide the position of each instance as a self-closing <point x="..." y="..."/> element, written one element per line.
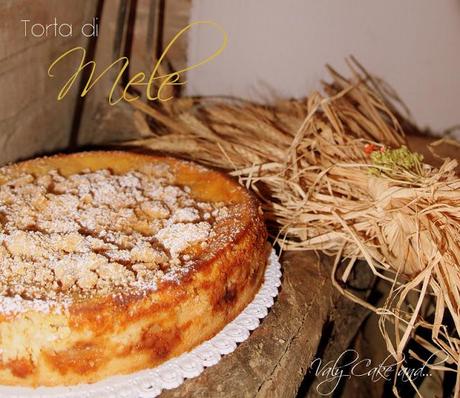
<point x="97" y="233"/>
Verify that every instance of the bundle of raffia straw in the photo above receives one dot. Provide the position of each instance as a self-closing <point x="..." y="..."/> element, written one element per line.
<point x="334" y="175"/>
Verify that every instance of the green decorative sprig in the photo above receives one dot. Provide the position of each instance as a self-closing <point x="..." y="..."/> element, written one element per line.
<point x="396" y="160"/>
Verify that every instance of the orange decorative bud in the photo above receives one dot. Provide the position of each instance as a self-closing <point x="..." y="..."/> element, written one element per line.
<point x="369" y="148"/>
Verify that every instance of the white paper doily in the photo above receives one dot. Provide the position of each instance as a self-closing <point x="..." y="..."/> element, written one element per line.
<point x="171" y="374"/>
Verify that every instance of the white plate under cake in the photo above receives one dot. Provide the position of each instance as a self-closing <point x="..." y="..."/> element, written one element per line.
<point x="112" y="262"/>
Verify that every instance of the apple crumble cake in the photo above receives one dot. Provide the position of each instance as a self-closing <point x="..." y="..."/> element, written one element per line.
<point x="112" y="262"/>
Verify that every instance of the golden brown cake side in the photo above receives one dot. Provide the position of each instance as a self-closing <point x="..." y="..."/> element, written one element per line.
<point x="100" y="336"/>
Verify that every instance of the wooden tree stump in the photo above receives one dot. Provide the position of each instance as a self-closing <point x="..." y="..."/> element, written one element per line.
<point x="274" y="360"/>
<point x="309" y="320"/>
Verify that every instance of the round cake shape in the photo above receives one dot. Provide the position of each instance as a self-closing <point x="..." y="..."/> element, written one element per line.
<point x="113" y="262"/>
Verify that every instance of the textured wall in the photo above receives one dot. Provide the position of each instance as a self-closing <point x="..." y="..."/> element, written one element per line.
<point x="283" y="45"/>
<point x="31" y="120"/>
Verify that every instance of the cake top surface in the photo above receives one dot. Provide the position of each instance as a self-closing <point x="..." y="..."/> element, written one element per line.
<point x="93" y="233"/>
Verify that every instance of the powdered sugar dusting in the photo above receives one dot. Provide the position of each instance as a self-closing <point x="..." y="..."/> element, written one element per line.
<point x="97" y="233"/>
<point x="17" y="304"/>
<point x="177" y="237"/>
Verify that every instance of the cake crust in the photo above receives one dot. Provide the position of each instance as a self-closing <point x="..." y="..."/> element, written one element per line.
<point x="96" y="336"/>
